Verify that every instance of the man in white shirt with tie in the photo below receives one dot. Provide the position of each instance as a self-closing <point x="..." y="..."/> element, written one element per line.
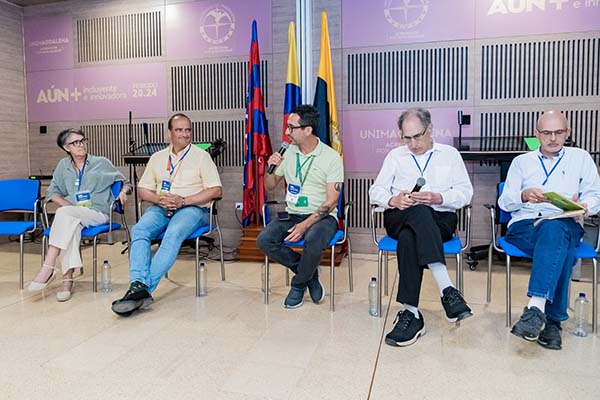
<point x="421" y="220"/>
<point x="572" y="173"/>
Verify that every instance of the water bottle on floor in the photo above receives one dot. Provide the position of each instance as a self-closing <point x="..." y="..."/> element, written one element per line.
<point x="203" y="280"/>
<point x="373" y="297"/>
<point x="106" y="278"/>
<point x="582" y="306"/>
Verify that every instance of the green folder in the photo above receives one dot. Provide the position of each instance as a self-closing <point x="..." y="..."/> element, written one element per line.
<point x="532" y="143"/>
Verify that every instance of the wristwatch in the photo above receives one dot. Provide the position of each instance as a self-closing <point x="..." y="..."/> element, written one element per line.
<point x="182" y="201"/>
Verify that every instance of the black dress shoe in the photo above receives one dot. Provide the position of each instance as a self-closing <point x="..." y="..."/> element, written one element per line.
<point x="137" y="297"/>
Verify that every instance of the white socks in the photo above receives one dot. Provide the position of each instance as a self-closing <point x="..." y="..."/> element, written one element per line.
<point x="440" y="274"/>
<point x="412" y="309"/>
<point x="538" y="302"/>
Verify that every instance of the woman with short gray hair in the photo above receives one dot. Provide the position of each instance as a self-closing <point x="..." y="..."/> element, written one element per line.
<point x="81" y="186"/>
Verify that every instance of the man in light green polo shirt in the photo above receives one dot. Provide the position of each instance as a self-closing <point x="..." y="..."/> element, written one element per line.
<point x="314" y="175"/>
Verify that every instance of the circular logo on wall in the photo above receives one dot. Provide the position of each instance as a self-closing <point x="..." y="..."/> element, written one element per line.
<point x="405" y="14"/>
<point x="217" y="24"/>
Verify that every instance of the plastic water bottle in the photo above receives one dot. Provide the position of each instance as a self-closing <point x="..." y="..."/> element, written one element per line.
<point x="106" y="278"/>
<point x="373" y="297"/>
<point x="203" y="280"/>
<point x="582" y="306"/>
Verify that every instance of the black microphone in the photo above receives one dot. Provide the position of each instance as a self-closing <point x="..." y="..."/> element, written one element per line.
<point x="281" y="151"/>
<point x="420" y="183"/>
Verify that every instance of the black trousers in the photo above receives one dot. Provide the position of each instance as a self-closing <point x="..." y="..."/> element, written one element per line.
<point x="420" y="232"/>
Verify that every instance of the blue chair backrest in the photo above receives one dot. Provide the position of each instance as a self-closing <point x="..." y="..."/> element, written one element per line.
<point x="115" y="188"/>
<point x="19" y="194"/>
<point x="503" y="216"/>
<point x="340" y="205"/>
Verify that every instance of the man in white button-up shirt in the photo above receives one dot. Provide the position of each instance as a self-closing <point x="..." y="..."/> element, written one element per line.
<point x="421" y="220"/>
<point x="572" y="173"/>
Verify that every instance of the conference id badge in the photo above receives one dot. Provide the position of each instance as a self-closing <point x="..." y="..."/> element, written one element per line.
<point x="292" y="193"/>
<point x="165" y="186"/>
<point x="83" y="199"/>
<point x="302" y="201"/>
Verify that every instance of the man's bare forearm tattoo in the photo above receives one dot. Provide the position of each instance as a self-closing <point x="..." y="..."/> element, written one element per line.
<point x="338" y="186"/>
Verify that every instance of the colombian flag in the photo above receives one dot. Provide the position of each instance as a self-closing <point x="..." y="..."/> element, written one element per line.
<point x="325" y="94"/>
<point x="293" y="96"/>
<point x="257" y="145"/>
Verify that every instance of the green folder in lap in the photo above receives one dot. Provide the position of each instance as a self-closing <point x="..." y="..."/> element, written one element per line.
<point x="562" y="202"/>
<point x="532" y="143"/>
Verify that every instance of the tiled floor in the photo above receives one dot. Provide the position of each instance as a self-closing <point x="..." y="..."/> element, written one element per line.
<point x="229" y="345"/>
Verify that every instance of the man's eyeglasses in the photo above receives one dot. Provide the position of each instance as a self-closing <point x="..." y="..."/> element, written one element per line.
<point x="558" y="133"/>
<point x="292" y="127"/>
<point x="418" y="136"/>
<point x="78" y="143"/>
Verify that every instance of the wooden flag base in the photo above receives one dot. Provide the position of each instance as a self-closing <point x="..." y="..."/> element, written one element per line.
<point x="248" y="250"/>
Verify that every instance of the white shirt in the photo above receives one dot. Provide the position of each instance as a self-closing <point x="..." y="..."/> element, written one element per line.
<point x="575" y="172"/>
<point x="445" y="174"/>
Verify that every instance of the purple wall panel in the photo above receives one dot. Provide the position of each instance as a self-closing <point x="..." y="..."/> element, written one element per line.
<point x="208" y="28"/>
<point x="48" y="43"/>
<point x="369" y="135"/>
<point x="98" y="93"/>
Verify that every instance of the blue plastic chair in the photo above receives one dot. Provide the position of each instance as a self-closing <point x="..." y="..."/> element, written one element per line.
<point x="20" y="195"/>
<point x="92" y="232"/>
<point x="338" y="239"/>
<point x="499" y="243"/>
<point x="387" y="244"/>
<point x="212" y="226"/>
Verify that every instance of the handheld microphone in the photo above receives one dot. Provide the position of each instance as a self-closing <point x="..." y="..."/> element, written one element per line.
<point x="420" y="183"/>
<point x="281" y="151"/>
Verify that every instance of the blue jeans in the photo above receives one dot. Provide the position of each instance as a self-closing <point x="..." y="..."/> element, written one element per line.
<point x="552" y="245"/>
<point x="316" y="240"/>
<point x="150" y="270"/>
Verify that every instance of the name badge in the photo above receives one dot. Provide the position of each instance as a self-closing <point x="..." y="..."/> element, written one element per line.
<point x="83" y="199"/>
<point x="165" y="186"/>
<point x="292" y="193"/>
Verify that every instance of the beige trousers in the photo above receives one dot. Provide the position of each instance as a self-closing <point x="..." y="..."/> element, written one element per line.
<point x="66" y="232"/>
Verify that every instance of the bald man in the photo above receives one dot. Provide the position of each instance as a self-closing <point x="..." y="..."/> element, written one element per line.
<point x="552" y="168"/>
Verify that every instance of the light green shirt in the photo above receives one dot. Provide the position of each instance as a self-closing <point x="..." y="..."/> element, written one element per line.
<point x="320" y="167"/>
<point x="98" y="176"/>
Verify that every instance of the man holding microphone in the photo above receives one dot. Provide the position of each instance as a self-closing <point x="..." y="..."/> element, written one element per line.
<point x="314" y="177"/>
<point x="421" y="219"/>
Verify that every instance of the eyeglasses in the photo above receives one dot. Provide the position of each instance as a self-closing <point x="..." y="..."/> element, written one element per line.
<point x="417" y="137"/>
<point x="558" y="133"/>
<point x="292" y="127"/>
<point x="78" y="143"/>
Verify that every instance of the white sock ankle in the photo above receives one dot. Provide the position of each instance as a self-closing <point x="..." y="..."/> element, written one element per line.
<point x="538" y="302"/>
<point x="440" y="274"/>
<point x="412" y="309"/>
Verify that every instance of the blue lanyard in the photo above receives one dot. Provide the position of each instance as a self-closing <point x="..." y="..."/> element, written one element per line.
<point x="172" y="166"/>
<point x="552" y="170"/>
<point x="80" y="174"/>
<point x="422" y="171"/>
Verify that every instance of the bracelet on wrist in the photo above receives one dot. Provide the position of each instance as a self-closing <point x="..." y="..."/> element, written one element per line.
<point x="182" y="201"/>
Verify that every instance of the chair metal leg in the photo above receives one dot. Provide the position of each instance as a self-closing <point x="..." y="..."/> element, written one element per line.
<point x="385" y="271"/>
<point x="221" y="253"/>
<point x="458" y="277"/>
<point x="332" y="283"/>
<point x="287" y="276"/>
<point x="21" y="271"/>
<point x="267" y="279"/>
<point x="167" y="275"/>
<point x="95" y="264"/>
<point x="488" y="296"/>
<point x="379" y="283"/>
<point x="197" y="267"/>
<point x="350" y="273"/>
<point x="508" y="293"/>
<point x="595" y="296"/>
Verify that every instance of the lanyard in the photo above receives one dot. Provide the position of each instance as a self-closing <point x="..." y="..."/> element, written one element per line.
<point x="80" y="174"/>
<point x="300" y="166"/>
<point x="552" y="170"/>
<point x="422" y="171"/>
<point x="171" y="167"/>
